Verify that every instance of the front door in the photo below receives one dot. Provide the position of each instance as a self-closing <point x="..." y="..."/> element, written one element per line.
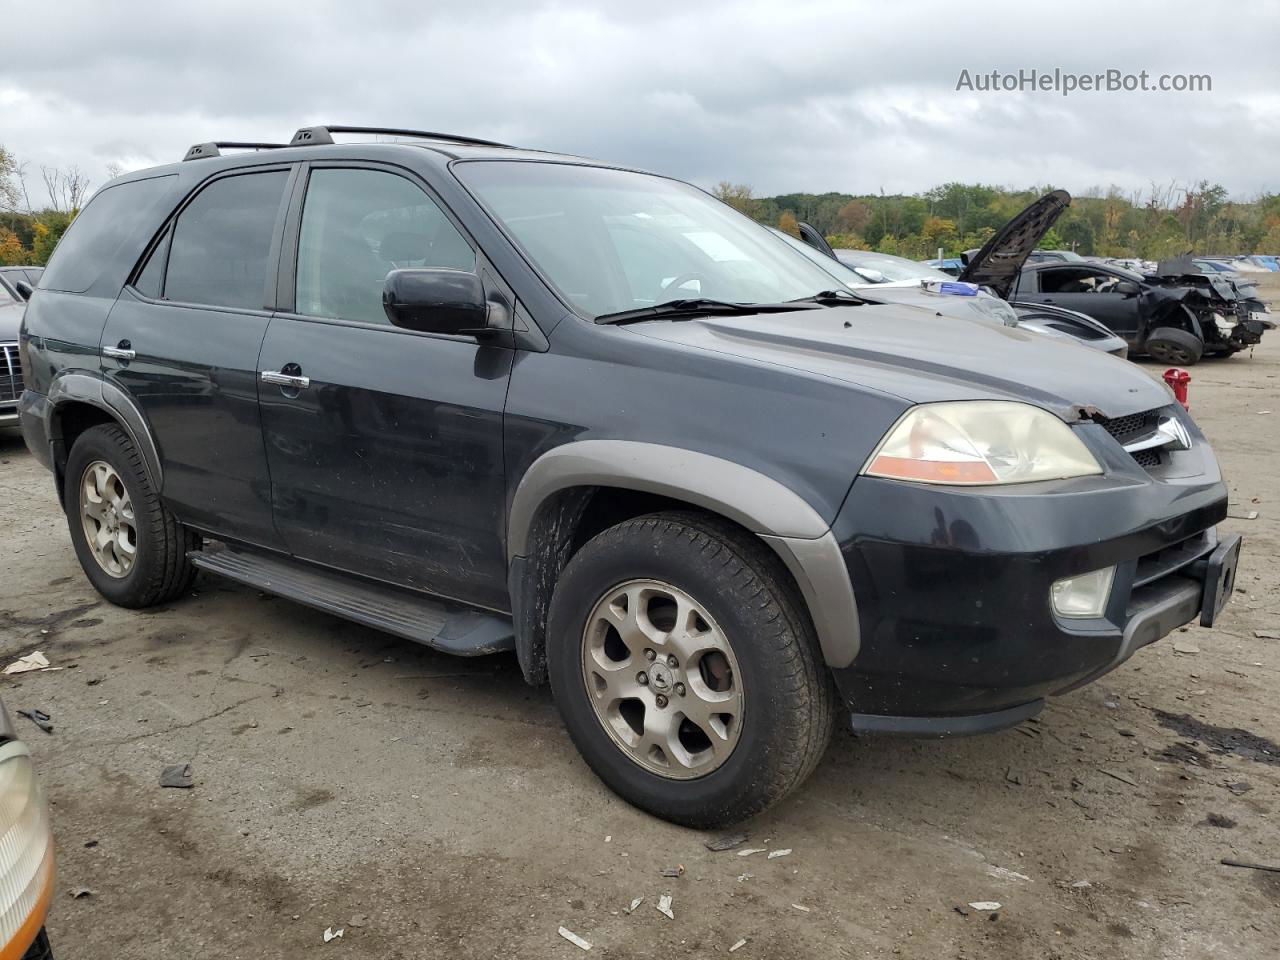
<point x="386" y="454"/>
<point x="183" y="340"/>
<point x="1090" y="291"/>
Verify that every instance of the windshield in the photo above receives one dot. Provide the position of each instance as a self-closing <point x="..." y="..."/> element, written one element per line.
<point x="611" y="241"/>
<point x="886" y="268"/>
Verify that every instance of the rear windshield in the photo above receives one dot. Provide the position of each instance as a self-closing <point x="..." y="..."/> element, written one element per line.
<point x="95" y="236"/>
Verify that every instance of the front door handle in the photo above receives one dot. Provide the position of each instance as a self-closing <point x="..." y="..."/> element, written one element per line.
<point x="281" y="379"/>
<point x="121" y="351"/>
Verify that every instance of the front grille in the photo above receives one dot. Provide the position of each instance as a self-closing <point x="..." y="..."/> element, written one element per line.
<point x="10" y="373"/>
<point x="1130" y="428"/>
<point x="1147" y="458"/>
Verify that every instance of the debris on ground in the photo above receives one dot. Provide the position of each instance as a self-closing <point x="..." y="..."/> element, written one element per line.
<point x="672" y="873"/>
<point x="744" y="877"/>
<point x="40" y="718"/>
<point x="635" y="903"/>
<point x="1118" y="776"/>
<point x="79" y="893"/>
<point x="727" y="842"/>
<point x="1267" y="634"/>
<point x="1217" y="820"/>
<point x="573" y="938"/>
<point x="32" y="661"/>
<point x="1249" y="866"/>
<point x="332" y="934"/>
<point x="1081" y="885"/>
<point x="985" y="906"/>
<point x="1240" y="788"/>
<point x="1182" y="646"/>
<point x="739" y="945"/>
<point x="801" y="907"/>
<point x="1004" y="873"/>
<point x="664" y="906"/>
<point x="775" y="854"/>
<point x="750" y="850"/>
<point x="178" y="775"/>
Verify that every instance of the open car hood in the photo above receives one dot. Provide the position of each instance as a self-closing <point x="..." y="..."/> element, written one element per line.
<point x="1000" y="260"/>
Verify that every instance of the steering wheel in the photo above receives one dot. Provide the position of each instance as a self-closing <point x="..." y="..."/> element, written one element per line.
<point x="680" y="281"/>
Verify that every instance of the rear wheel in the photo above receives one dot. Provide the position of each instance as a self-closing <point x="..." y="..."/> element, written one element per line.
<point x="1174" y="346"/>
<point x="685" y="670"/>
<point x="132" y="549"/>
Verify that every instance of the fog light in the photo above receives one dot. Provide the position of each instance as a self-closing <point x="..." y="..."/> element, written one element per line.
<point x="1084" y="596"/>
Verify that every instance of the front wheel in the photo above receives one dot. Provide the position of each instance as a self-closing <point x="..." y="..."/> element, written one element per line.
<point x="686" y="671"/>
<point x="1174" y="346"/>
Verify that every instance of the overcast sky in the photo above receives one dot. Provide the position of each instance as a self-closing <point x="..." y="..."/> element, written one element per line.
<point x="784" y="95"/>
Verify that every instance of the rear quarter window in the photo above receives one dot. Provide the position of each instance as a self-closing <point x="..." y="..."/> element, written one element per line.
<point x="114" y="216"/>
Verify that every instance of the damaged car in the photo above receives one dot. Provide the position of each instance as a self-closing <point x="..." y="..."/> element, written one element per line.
<point x="1174" y="316"/>
<point x="884" y="278"/>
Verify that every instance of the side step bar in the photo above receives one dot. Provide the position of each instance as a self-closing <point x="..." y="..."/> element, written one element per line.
<point x="447" y="627"/>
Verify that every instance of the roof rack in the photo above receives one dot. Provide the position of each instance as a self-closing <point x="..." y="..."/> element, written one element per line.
<point x="314" y="136"/>
<point x="214" y="149"/>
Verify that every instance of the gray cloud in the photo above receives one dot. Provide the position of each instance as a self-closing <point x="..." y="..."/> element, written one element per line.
<point x="780" y="95"/>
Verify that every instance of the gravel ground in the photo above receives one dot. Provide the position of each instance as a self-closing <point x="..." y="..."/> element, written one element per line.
<point x="434" y="807"/>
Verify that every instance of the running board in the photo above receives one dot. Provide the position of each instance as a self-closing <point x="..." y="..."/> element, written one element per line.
<point x="447" y="627"/>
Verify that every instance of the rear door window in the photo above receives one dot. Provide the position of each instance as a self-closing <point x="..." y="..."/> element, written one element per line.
<point x="113" y="216"/>
<point x="221" y="242"/>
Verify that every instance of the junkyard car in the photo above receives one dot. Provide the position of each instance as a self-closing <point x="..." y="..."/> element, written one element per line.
<point x="10" y="369"/>
<point x="492" y="399"/>
<point x="1174" y="317"/>
<point x="26" y="855"/>
<point x="18" y="282"/>
<point x="883" y="278"/>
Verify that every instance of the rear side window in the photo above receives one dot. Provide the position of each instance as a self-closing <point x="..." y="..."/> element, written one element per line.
<point x="112" y="217"/>
<point x="221" y="242"/>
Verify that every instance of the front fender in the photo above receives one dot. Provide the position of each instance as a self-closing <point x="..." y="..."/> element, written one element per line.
<point x="783" y="520"/>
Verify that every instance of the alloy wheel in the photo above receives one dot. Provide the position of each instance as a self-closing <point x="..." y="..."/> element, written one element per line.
<point x="106" y="513"/>
<point x="662" y="679"/>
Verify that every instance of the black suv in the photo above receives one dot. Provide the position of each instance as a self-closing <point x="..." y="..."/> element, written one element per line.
<point x="489" y="399"/>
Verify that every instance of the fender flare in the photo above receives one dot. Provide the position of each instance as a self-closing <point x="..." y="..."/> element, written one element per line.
<point x="775" y="513"/>
<point x="91" y="389"/>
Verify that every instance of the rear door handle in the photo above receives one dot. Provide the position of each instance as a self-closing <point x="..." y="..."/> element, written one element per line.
<point x="122" y="351"/>
<point x="281" y="379"/>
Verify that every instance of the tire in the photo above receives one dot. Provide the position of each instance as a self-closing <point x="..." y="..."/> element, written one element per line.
<point x="742" y="595"/>
<point x="1171" y="345"/>
<point x="158" y="569"/>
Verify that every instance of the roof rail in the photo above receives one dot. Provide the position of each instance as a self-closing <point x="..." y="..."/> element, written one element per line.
<point x="214" y="149"/>
<point x="314" y="136"/>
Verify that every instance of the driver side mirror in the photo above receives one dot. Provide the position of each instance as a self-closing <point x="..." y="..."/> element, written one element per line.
<point x="24" y="289"/>
<point x="1128" y="288"/>
<point x="436" y="301"/>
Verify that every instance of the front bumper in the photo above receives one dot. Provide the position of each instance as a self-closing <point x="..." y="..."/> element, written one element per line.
<point x="953" y="587"/>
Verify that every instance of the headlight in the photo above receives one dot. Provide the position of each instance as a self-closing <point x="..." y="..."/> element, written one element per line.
<point x="980" y="442"/>
<point x="26" y="851"/>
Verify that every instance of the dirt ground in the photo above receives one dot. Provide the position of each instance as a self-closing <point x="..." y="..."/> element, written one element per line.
<point x="434" y="807"/>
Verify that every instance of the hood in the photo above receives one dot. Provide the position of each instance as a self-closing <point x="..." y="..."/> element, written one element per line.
<point x="920" y="357"/>
<point x="982" y="308"/>
<point x="1000" y="260"/>
<point x="10" y="320"/>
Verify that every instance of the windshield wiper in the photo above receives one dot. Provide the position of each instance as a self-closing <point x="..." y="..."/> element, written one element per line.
<point x="700" y="307"/>
<point x="834" y="298"/>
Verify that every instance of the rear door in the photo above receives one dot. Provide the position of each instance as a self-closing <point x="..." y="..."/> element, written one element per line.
<point x="386" y="456"/>
<point x="183" y="340"/>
